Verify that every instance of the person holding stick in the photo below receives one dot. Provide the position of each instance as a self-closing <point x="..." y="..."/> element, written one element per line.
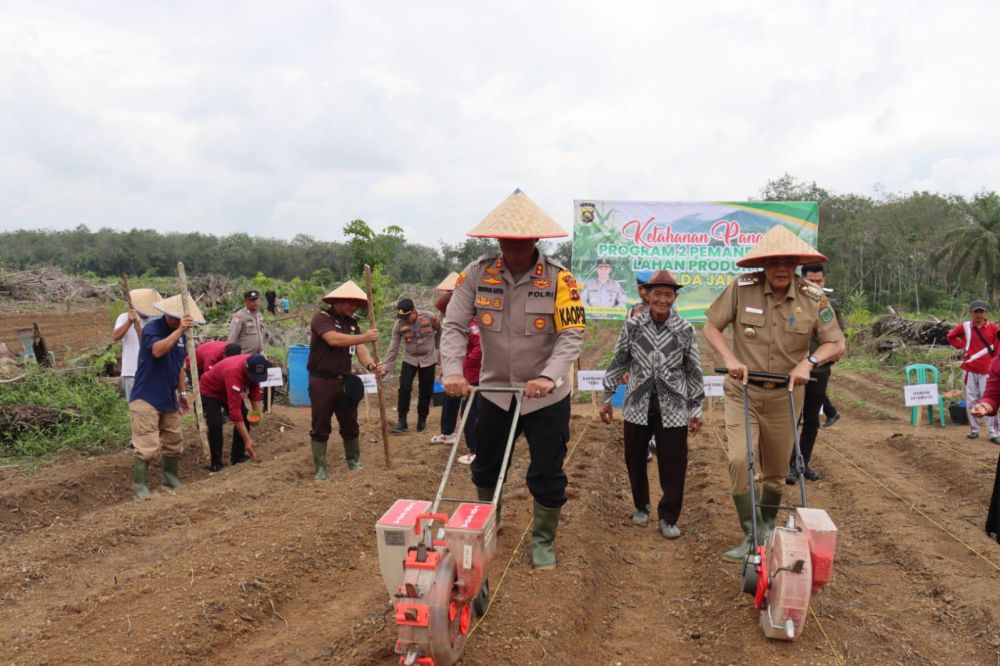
<point x="659" y="351"/>
<point x="333" y="389"/>
<point x="159" y="393"/>
<point x="128" y="328"/>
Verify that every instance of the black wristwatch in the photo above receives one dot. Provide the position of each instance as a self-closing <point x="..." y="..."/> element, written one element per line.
<point x="812" y="359"/>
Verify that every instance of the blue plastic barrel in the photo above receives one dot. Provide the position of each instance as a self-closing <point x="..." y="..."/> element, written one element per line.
<point x="619" y="399"/>
<point x="298" y="376"/>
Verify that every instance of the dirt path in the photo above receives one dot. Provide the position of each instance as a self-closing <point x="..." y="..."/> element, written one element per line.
<point x="261" y="564"/>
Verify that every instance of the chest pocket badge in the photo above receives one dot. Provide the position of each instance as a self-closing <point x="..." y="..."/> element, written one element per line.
<point x="489" y="321"/>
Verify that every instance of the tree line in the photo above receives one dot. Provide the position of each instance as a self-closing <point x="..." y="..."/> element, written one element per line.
<point x="922" y="250"/>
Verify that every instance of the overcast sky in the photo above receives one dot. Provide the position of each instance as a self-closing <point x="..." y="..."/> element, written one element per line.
<point x="280" y="118"/>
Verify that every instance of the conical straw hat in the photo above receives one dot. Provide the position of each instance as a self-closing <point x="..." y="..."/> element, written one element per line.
<point x="448" y="284"/>
<point x="780" y="242"/>
<point x="346" y="292"/>
<point x="175" y="308"/>
<point x="143" y="300"/>
<point x="517" y="216"/>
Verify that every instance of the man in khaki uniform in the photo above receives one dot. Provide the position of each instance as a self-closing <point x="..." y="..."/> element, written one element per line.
<point x="418" y="334"/>
<point x="247" y="326"/>
<point x="531" y="324"/>
<point x="774" y="314"/>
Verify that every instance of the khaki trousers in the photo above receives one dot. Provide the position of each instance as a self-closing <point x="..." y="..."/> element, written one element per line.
<point x="152" y="429"/>
<point x="771" y="434"/>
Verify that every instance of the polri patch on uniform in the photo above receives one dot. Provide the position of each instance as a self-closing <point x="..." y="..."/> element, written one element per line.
<point x="460" y="280"/>
<point x="497" y="303"/>
<point x="490" y="280"/>
<point x="541" y="284"/>
<point x="486" y="318"/>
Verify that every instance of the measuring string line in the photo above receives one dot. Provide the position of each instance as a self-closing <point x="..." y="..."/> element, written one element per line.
<point x="520" y="542"/>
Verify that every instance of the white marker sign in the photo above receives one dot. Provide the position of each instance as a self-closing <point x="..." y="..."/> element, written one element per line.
<point x="370" y="385"/>
<point x="274" y="378"/>
<point x="713" y="386"/>
<point x="920" y="394"/>
<point x="590" y="380"/>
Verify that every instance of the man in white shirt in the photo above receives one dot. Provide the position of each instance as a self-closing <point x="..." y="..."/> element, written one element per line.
<point x="128" y="325"/>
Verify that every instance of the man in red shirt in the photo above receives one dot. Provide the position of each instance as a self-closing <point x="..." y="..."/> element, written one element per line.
<point x="222" y="389"/>
<point x="978" y="338"/>
<point x="211" y="352"/>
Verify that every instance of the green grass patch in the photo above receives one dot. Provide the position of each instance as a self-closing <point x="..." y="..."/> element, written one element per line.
<point x="47" y="412"/>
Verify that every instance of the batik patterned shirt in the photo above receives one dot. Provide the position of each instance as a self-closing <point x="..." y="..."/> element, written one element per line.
<point x="662" y="360"/>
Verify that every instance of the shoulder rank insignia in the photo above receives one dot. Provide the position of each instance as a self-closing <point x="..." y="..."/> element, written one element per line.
<point x="746" y="282"/>
<point x="460" y="280"/>
<point x="813" y="292"/>
<point x="540" y="269"/>
<point x="490" y="280"/>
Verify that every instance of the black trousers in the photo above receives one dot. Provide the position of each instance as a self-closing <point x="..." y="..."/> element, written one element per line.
<point x="215" y="409"/>
<point x="328" y="399"/>
<point x="425" y="389"/>
<point x="814" y="396"/>
<point x="671" y="464"/>
<point x="547" y="432"/>
<point x="828" y="409"/>
<point x="993" y="515"/>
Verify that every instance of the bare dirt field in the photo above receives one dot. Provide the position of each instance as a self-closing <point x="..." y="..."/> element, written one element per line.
<point x="259" y="564"/>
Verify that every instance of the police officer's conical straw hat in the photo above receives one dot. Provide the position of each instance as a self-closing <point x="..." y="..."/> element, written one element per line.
<point x="780" y="242"/>
<point x="174" y="307"/>
<point x="143" y="301"/>
<point x="347" y="292"/>
<point x="517" y="216"/>
<point x="448" y="284"/>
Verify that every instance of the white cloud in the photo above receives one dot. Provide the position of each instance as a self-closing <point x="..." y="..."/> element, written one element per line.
<point x="225" y="117"/>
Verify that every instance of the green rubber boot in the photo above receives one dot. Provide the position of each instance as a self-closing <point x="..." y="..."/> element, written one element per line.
<point x="170" y="472"/>
<point x="743" y="512"/>
<point x="543" y="533"/>
<point x="769" y="503"/>
<point x="319" y="460"/>
<point x="352" y="451"/>
<point x="140" y="478"/>
<point x="486" y="495"/>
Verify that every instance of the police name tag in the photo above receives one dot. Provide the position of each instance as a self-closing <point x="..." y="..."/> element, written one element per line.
<point x="713" y="386"/>
<point x="590" y="380"/>
<point x="918" y="395"/>
<point x="274" y="378"/>
<point x="369" y="381"/>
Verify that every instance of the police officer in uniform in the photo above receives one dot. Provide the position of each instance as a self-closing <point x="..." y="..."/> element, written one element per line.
<point x="247" y="326"/>
<point x="531" y="326"/>
<point x="603" y="291"/>
<point x="774" y="314"/>
<point x="333" y="389"/>
<point x="418" y="334"/>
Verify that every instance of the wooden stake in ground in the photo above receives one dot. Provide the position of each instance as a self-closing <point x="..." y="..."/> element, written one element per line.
<point x="378" y="377"/>
<point x="199" y="415"/>
<point x="128" y="302"/>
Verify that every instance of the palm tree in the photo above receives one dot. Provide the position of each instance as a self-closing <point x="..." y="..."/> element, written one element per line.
<point x="973" y="250"/>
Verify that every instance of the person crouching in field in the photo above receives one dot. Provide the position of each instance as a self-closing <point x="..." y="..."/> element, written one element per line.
<point x="659" y="351"/>
<point x="222" y="389"/>
<point x="158" y="395"/>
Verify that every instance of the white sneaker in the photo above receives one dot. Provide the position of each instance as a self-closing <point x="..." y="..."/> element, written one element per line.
<point x="443" y="439"/>
<point x="467" y="458"/>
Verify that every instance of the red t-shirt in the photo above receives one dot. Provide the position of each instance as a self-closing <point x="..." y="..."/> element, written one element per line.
<point x="208" y="354"/>
<point x="977" y="357"/>
<point x="473" y="355"/>
<point x="226" y="381"/>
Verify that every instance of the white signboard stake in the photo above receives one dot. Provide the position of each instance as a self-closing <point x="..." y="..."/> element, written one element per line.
<point x="920" y="395"/>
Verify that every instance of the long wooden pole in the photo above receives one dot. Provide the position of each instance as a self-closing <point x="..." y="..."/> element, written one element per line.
<point x="378" y="376"/>
<point x="128" y="301"/>
<point x="199" y="414"/>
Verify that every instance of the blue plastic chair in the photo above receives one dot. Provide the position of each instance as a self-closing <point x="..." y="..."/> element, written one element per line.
<point x="918" y="373"/>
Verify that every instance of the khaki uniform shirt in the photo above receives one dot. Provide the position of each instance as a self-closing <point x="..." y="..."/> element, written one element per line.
<point x="769" y="334"/>
<point x="419" y="340"/>
<point x="247" y="330"/>
<point x="609" y="294"/>
<point x="528" y="329"/>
